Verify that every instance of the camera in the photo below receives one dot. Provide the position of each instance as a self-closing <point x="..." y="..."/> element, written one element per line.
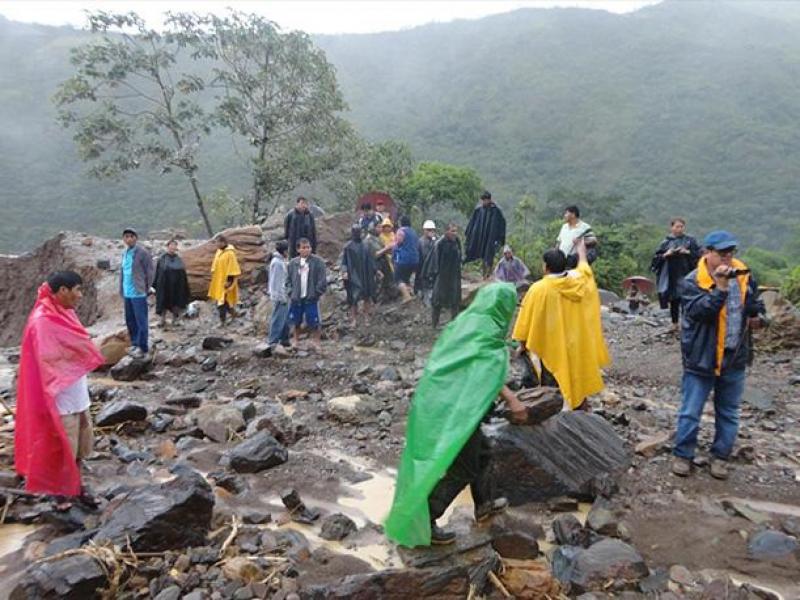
<point x="736" y="272"/>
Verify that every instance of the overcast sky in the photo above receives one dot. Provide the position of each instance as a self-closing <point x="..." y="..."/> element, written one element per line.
<point x="313" y="16"/>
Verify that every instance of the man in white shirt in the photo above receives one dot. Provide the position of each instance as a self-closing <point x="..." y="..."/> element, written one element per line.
<point x="306" y="281"/>
<point x="573" y="230"/>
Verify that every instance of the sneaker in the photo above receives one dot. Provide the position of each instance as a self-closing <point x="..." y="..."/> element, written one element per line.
<point x="136" y="352"/>
<point x="440" y="537"/>
<point x="487" y="509"/>
<point x="682" y="467"/>
<point x="718" y="468"/>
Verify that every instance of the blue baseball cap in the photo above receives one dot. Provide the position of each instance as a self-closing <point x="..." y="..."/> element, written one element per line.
<point x="720" y="240"/>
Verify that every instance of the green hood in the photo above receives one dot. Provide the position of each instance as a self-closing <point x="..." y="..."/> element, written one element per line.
<point x="463" y="376"/>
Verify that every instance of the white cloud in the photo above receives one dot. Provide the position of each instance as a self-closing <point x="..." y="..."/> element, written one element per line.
<point x="313" y="16"/>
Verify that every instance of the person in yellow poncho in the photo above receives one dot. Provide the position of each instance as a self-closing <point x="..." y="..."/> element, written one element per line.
<point x="386" y="237"/>
<point x="225" y="273"/>
<point x="559" y="321"/>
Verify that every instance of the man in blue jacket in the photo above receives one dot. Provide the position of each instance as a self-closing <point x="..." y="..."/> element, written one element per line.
<point x="720" y="306"/>
<point x="135" y="280"/>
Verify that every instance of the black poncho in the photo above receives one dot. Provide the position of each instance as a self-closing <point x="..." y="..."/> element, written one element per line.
<point x="298" y="225"/>
<point x="486" y="233"/>
<point x="442" y="272"/>
<point x="172" y="286"/>
<point x="361" y="268"/>
<point x="670" y="271"/>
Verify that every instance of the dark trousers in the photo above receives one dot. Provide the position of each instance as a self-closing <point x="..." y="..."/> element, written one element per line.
<point x="470" y="468"/>
<point x="224" y="310"/>
<point x="675" y="310"/>
<point x="436" y="312"/>
<point x="136" y="321"/>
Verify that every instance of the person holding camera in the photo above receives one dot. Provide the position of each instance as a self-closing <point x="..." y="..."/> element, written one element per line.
<point x="720" y="306"/>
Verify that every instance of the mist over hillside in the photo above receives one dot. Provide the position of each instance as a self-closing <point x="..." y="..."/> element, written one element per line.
<point x="684" y="108"/>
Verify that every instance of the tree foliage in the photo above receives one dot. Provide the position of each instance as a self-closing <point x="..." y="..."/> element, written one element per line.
<point x="439" y="183"/>
<point x="129" y="105"/>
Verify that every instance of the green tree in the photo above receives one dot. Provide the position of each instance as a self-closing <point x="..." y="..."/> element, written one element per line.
<point x="434" y="182"/>
<point x="276" y="90"/>
<point x="129" y="106"/>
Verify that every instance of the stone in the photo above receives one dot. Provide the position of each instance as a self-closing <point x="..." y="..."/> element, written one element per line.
<point x="209" y="364"/>
<point x="390" y="374"/>
<point x="219" y="422"/>
<point x="649" y="446"/>
<point x="76" y="577"/>
<point x="185" y="401"/>
<point x="286" y="542"/>
<point x="443" y="583"/>
<point x="262" y="350"/>
<point x="656" y="582"/>
<point x="352" y="409"/>
<point x="770" y="545"/>
<point x="131" y="368"/>
<point x="172" y="592"/>
<point x="279" y="426"/>
<point x="114" y="346"/>
<point x="757" y="398"/>
<point x="337" y="527"/>
<point x="564" y="456"/>
<point x="215" y="342"/>
<point x="255" y="516"/>
<point x="541" y="404"/>
<point x="568" y="531"/>
<point x="297" y="508"/>
<point x="120" y="411"/>
<point x="258" y="453"/>
<point x="515" y="544"/>
<point x="562" y="504"/>
<point x="242" y="569"/>
<point x="246" y="407"/>
<point x="590" y="569"/>
<point x="127" y="455"/>
<point x="681" y="575"/>
<point x="157" y="517"/>
<point x="742" y="509"/>
<point x="602" y="520"/>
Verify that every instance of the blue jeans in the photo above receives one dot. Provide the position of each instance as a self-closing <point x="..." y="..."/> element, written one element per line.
<point x="136" y="321"/>
<point x="279" y="323"/>
<point x="728" y="388"/>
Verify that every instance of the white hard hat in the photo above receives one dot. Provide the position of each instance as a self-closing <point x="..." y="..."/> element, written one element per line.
<point x="429" y="224"/>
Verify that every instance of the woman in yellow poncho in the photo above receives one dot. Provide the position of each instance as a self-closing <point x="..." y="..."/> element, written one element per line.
<point x="386" y="237"/>
<point x="225" y="273"/>
<point x="559" y="321"/>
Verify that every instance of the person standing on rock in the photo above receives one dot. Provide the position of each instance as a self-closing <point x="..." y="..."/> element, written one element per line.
<point x="359" y="273"/>
<point x="675" y="257"/>
<point x="510" y="268"/>
<point x="426" y="244"/>
<point x="306" y="281"/>
<point x="720" y="306"/>
<point x="572" y="231"/>
<point x="405" y="257"/>
<point x="559" y="321"/>
<point x="445" y="449"/>
<point x="279" y="321"/>
<point x="53" y="428"/>
<point x="225" y="272"/>
<point x="485" y="234"/>
<point x="171" y="284"/>
<point x="442" y="273"/>
<point x="135" y="281"/>
<point x="299" y="223"/>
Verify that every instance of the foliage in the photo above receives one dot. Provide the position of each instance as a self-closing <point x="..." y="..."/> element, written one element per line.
<point x="434" y="183"/>
<point x="791" y="286"/>
<point x="128" y="105"/>
<point x="278" y="92"/>
<point x="769" y="268"/>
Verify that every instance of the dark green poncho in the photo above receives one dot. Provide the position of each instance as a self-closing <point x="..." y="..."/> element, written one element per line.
<point x="464" y="374"/>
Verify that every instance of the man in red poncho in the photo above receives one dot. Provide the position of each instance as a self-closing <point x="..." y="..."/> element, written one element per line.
<point x="53" y="429"/>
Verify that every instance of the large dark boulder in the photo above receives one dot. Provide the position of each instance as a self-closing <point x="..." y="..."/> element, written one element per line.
<point x="160" y="517"/>
<point x="76" y="577"/>
<point x="445" y="583"/>
<point x="590" y="569"/>
<point x="130" y="368"/>
<point x="258" y="453"/>
<point x="564" y="456"/>
<point x="120" y="411"/>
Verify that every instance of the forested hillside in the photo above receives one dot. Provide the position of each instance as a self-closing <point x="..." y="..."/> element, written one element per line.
<point x="683" y="108"/>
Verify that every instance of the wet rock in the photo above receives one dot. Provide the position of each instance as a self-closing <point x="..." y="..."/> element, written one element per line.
<point x="76" y="577"/>
<point x="172" y="592"/>
<point x="769" y="545"/>
<point x="656" y="582"/>
<point x="741" y="508"/>
<point x="262" y="350"/>
<point x="446" y="583"/>
<point x="352" y="409"/>
<point x="563" y="456"/>
<point x="515" y="520"/>
<point x="791" y="525"/>
<point x="120" y="411"/>
<point x="297" y="508"/>
<point x="130" y="368"/>
<point x="650" y="446"/>
<point x="208" y="364"/>
<point x="279" y="426"/>
<point x="114" y="346"/>
<point x="589" y="569"/>
<point x="390" y="374"/>
<point x="681" y="575"/>
<point x="255" y="516"/>
<point x="602" y="520"/>
<point x="541" y="404"/>
<point x="214" y="342"/>
<point x="219" y="422"/>
<point x="247" y="409"/>
<point x="242" y="569"/>
<point x="185" y="401"/>
<point x="286" y="542"/>
<point x="515" y="544"/>
<point x="228" y="481"/>
<point x="127" y="455"/>
<point x="562" y="504"/>
<point x="337" y="527"/>
<point x="160" y="424"/>
<point x="159" y="517"/>
<point x="757" y="398"/>
<point x="258" y="453"/>
<point x="568" y="531"/>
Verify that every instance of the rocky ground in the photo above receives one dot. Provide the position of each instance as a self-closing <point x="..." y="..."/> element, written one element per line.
<point x="226" y="473"/>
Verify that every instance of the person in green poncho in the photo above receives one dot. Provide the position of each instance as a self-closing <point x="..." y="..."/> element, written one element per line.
<point x="445" y="450"/>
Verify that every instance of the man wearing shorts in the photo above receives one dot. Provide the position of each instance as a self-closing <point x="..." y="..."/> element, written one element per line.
<point x="405" y="257"/>
<point x="306" y="281"/>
